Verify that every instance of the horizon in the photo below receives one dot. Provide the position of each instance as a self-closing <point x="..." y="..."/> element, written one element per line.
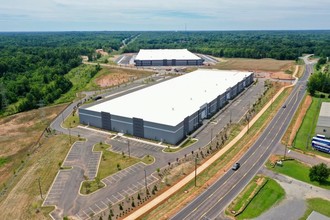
<point x="243" y="30"/>
<point x="192" y="15"/>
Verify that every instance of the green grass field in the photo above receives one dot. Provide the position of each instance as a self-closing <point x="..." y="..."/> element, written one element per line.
<point x="298" y="171"/>
<point x="243" y="199"/>
<point x="269" y="195"/>
<point x="307" y="128"/>
<point x="318" y="205"/>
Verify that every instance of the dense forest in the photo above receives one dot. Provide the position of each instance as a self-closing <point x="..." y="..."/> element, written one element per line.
<point x="33" y="66"/>
<point x="281" y="45"/>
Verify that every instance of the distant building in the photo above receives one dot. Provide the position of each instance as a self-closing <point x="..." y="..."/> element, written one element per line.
<point x="317" y="216"/>
<point x="167" y="57"/>
<point x="171" y="110"/>
<point x="323" y="124"/>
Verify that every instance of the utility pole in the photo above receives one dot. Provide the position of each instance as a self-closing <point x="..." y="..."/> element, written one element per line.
<point x="129" y="151"/>
<point x="40" y="188"/>
<point x="145" y="180"/>
<point x="195" y="171"/>
<point x="230" y="118"/>
<point x="211" y="136"/>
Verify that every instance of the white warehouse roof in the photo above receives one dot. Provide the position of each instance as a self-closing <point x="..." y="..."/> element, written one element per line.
<point x="171" y="101"/>
<point x="324" y="116"/>
<point x="166" y="54"/>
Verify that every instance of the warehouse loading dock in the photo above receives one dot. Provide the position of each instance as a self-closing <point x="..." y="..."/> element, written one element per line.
<point x="171" y="110"/>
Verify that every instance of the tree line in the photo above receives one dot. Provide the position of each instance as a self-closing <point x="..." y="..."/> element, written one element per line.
<point x="33" y="65"/>
<point x="281" y="45"/>
<point x="320" y="80"/>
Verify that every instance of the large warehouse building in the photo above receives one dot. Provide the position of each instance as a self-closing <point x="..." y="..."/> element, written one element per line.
<point x="170" y="110"/>
<point x="323" y="124"/>
<point x="167" y="57"/>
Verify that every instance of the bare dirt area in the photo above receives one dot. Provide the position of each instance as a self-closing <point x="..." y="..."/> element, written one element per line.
<point x="115" y="76"/>
<point x="268" y="65"/>
<point x="18" y="135"/>
<point x="274" y="75"/>
<point x="23" y="201"/>
<point x="102" y="52"/>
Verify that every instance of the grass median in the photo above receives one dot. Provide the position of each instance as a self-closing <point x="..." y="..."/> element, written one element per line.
<point x="270" y="194"/>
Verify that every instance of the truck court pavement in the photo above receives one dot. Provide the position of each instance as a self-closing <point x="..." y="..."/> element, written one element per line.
<point x="64" y="193"/>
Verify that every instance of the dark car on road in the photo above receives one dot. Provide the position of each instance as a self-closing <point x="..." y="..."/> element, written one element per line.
<point x="236" y="166"/>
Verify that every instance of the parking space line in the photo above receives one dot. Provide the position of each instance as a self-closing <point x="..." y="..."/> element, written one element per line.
<point x="104" y="204"/>
<point x="85" y="213"/>
<point x="115" y="198"/>
<point x="109" y="200"/>
<point x="92" y="210"/>
<point x="121" y="195"/>
<point x="98" y="206"/>
<point x="78" y="216"/>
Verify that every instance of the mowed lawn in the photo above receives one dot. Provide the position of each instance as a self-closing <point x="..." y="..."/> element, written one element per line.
<point x="306" y="131"/>
<point x="299" y="171"/>
<point x="318" y="205"/>
<point x="269" y="195"/>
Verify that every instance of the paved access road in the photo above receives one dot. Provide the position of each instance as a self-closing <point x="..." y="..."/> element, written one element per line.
<point x="213" y="201"/>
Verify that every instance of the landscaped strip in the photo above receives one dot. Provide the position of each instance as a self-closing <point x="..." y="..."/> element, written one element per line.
<point x="246" y="196"/>
<point x="269" y="195"/>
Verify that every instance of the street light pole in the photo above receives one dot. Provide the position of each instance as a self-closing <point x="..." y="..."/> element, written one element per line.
<point x="230" y="118"/>
<point x="195" y="171"/>
<point x="129" y="151"/>
<point x="211" y="136"/>
<point x="145" y="180"/>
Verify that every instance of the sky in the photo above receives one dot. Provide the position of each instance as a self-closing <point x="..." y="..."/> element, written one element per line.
<point x="138" y="15"/>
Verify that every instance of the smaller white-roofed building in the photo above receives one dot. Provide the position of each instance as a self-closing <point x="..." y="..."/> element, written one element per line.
<point x="167" y="57"/>
<point x="323" y="123"/>
<point x="170" y="110"/>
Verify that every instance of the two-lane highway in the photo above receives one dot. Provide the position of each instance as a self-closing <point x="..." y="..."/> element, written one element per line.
<point x="213" y="201"/>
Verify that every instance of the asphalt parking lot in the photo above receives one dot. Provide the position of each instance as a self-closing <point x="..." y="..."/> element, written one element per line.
<point x="92" y="165"/>
<point x="110" y="180"/>
<point x="57" y="189"/>
<point x="137" y="149"/>
<point x="75" y="154"/>
<point x="118" y="196"/>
